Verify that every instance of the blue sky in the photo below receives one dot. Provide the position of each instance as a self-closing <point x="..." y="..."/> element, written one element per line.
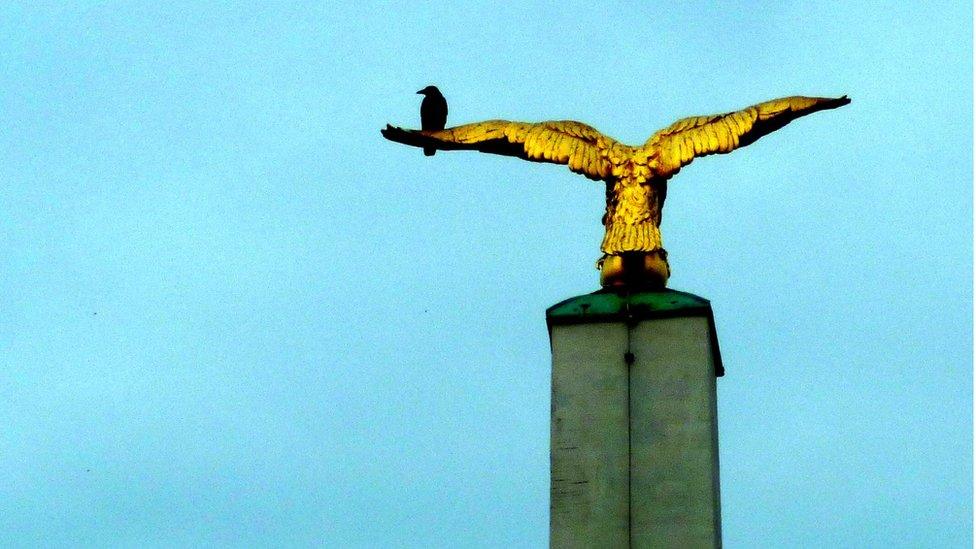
<point x="232" y="314"/>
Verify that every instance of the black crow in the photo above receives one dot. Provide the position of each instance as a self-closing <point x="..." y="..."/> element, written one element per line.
<point x="433" y="112"/>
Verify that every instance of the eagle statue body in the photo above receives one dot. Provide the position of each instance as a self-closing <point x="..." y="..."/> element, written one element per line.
<point x="635" y="177"/>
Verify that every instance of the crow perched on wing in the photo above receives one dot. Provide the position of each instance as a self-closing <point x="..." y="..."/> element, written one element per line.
<point x="636" y="177"/>
<point x="433" y="113"/>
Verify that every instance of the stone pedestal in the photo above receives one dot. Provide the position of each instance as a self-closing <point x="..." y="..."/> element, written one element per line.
<point x="634" y="433"/>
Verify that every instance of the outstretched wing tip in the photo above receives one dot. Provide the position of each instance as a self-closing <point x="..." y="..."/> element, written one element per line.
<point x="826" y="103"/>
<point x="842" y="100"/>
<point x="395" y="133"/>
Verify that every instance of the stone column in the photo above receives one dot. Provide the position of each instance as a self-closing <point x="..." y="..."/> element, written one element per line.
<point x="634" y="433"/>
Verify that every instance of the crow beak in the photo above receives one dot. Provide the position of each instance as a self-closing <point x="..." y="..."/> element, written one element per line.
<point x="421" y="92"/>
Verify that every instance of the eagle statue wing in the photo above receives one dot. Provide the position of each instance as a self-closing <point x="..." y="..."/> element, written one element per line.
<point x="577" y="145"/>
<point x="688" y="138"/>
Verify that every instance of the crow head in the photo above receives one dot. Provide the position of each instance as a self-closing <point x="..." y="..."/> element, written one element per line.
<point x="432" y="90"/>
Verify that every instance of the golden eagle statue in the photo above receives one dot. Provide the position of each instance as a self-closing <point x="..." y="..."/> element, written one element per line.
<point x="636" y="177"/>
